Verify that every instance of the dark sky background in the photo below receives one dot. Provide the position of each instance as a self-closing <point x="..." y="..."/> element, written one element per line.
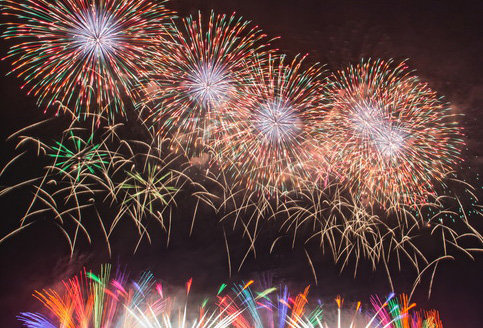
<point x="441" y="39"/>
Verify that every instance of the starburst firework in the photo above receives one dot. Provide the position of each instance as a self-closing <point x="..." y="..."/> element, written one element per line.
<point x="268" y="131"/>
<point x="82" y="55"/>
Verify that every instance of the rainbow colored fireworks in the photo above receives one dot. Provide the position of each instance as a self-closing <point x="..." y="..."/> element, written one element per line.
<point x="90" y="300"/>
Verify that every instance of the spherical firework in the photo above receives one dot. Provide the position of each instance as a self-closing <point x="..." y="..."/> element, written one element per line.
<point x="82" y="55"/>
<point x="394" y="139"/>
<point x="268" y="130"/>
<point x="147" y="192"/>
<point x="196" y="72"/>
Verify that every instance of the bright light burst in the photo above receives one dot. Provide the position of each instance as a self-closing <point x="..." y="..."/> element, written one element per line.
<point x="277" y="122"/>
<point x="90" y="300"/>
<point x="196" y="72"/>
<point x="395" y="140"/>
<point x="82" y="55"/>
<point x="268" y="130"/>
<point x="104" y="300"/>
<point x="208" y="85"/>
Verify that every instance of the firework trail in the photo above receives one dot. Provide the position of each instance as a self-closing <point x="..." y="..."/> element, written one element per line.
<point x="82" y="54"/>
<point x="196" y="71"/>
<point x="395" y="139"/>
<point x="97" y="176"/>
<point x="148" y="187"/>
<point x="91" y="170"/>
<point x="103" y="300"/>
<point x="332" y="221"/>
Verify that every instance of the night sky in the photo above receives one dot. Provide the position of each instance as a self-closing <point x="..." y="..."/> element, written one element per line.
<point x="440" y="39"/>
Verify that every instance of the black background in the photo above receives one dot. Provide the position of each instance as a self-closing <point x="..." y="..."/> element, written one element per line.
<point x="442" y="41"/>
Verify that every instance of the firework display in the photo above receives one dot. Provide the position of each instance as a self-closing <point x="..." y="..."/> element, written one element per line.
<point x="81" y="55"/>
<point x="100" y="300"/>
<point x="196" y="72"/>
<point x="395" y="139"/>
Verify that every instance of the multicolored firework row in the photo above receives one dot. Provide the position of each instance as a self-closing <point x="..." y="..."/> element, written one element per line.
<point x="216" y="84"/>
<point x="82" y="55"/>
<point x="90" y="300"/>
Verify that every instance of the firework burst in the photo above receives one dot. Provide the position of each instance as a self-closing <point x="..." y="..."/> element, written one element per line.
<point x="95" y="173"/>
<point x="395" y="139"/>
<point x="269" y="129"/>
<point x="196" y="72"/>
<point x="82" y="55"/>
<point x="82" y="155"/>
<point x="147" y="189"/>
